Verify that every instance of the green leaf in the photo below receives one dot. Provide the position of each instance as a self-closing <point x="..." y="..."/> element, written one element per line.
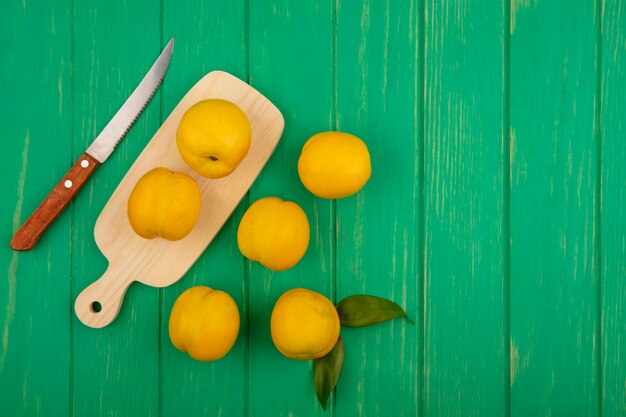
<point x="326" y="372"/>
<point x="366" y="310"/>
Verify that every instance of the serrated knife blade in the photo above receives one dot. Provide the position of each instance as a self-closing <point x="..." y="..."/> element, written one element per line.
<point x="99" y="150"/>
<point x="102" y="147"/>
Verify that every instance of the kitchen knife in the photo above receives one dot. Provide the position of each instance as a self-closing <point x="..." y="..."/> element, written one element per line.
<point x="100" y="149"/>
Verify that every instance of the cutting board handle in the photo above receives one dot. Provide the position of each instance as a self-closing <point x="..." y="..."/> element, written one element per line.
<point x="98" y="304"/>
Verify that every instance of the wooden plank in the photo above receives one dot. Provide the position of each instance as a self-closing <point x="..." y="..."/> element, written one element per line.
<point x="115" y="370"/>
<point x="465" y="357"/>
<point x="378" y="99"/>
<point x="613" y="209"/>
<point x="160" y="262"/>
<point x="291" y="64"/>
<point x="209" y="35"/>
<point x="554" y="282"/>
<point x="35" y="98"/>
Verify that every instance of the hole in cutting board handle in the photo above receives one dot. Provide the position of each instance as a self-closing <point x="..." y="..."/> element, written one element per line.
<point x="95" y="307"/>
<point x="98" y="304"/>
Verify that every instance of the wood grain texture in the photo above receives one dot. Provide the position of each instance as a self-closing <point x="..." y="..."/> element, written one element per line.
<point x="426" y="84"/>
<point x="115" y="371"/>
<point x="465" y="357"/>
<point x="209" y="35"/>
<point x="554" y="282"/>
<point x="613" y="209"/>
<point x="291" y="62"/>
<point x="378" y="73"/>
<point x="54" y="204"/>
<point x="35" y="114"/>
<point x="159" y="262"/>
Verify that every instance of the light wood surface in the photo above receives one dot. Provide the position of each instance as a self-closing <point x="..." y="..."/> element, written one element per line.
<point x="159" y="262"/>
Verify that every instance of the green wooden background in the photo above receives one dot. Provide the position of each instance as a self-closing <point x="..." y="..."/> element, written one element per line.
<point x="495" y="213"/>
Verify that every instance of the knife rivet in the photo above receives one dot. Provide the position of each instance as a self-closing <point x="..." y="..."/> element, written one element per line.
<point x="68" y="184"/>
<point x="84" y="163"/>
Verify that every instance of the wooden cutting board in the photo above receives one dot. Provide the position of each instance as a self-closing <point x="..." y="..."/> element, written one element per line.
<point x="158" y="262"/>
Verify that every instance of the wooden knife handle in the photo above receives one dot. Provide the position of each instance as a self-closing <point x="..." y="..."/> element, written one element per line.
<point x="53" y="205"/>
